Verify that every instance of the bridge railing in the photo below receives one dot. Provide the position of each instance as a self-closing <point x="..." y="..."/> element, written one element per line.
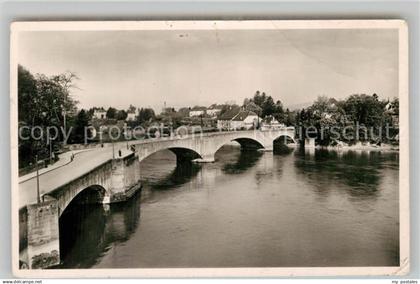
<point x="290" y="130"/>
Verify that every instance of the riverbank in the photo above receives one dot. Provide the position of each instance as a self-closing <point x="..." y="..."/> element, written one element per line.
<point x="362" y="147"/>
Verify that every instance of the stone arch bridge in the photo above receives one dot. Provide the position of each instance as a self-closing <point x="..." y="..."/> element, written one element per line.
<point x="113" y="178"/>
<point x="202" y="147"/>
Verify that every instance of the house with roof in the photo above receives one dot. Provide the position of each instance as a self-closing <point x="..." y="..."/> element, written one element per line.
<point x="99" y="113"/>
<point x="197" y="111"/>
<point x="225" y="118"/>
<point x="214" y="110"/>
<point x="271" y="123"/>
<point x="390" y="110"/>
<point x="236" y="118"/>
<point x="245" y="119"/>
<point x="131" y="115"/>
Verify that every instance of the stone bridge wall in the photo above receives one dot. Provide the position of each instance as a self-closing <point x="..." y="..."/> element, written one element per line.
<point x="206" y="145"/>
<point x="39" y="232"/>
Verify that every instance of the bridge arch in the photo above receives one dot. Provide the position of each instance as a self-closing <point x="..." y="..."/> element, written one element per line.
<point x="285" y="138"/>
<point x="280" y="144"/>
<point x="204" y="146"/>
<point x="249" y="143"/>
<point x="92" y="194"/>
<point x="74" y="218"/>
<point x="246" y="143"/>
<point x="183" y="154"/>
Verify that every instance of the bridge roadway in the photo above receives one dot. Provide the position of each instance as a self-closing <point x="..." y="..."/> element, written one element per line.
<point x="83" y="162"/>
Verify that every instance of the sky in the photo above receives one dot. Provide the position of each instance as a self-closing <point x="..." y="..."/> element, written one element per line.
<point x="202" y="67"/>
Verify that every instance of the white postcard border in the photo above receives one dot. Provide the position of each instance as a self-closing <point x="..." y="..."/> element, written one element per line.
<point x="404" y="181"/>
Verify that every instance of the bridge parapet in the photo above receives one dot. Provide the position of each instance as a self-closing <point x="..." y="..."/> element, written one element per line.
<point x="204" y="146"/>
<point x="115" y="181"/>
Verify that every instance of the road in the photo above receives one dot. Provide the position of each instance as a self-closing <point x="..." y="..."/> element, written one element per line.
<point x="65" y="171"/>
<point x="83" y="162"/>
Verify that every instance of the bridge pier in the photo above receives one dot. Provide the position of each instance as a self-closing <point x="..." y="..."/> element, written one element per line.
<point x="39" y="231"/>
<point x="310" y="143"/>
<point x="125" y="179"/>
<point x="209" y="158"/>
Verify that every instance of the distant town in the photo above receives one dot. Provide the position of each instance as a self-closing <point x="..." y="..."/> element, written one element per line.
<point x="221" y="117"/>
<point x="47" y="101"/>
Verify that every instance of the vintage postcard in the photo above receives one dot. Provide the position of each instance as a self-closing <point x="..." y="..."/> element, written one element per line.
<point x="210" y="148"/>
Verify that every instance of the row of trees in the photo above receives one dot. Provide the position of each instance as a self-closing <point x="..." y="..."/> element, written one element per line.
<point x="43" y="102"/>
<point x="359" y="117"/>
<point x="143" y="115"/>
<point x="264" y="105"/>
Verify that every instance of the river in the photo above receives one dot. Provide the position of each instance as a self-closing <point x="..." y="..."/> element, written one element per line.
<point x="248" y="209"/>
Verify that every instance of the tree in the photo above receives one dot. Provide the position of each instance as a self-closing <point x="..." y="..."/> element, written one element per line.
<point x="121" y="115"/>
<point x="364" y="109"/>
<point x="278" y="113"/>
<point x="289" y="117"/>
<point x="90" y="112"/>
<point x="264" y="105"/>
<point x="111" y="113"/>
<point x="251" y="106"/>
<point x="81" y="123"/>
<point x="27" y="96"/>
<point x="321" y="105"/>
<point x="268" y="106"/>
<point x="184" y="111"/>
<point x="42" y="102"/>
<point x="145" y="115"/>
<point x="395" y="106"/>
<point x="132" y="108"/>
<point x="259" y="98"/>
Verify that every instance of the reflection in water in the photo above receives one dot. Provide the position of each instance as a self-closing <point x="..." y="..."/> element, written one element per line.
<point x="359" y="170"/>
<point x="182" y="174"/>
<point x="319" y="208"/>
<point x="280" y="146"/>
<point x="240" y="161"/>
<point x="89" y="230"/>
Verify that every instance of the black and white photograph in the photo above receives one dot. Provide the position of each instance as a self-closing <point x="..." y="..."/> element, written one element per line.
<point x="210" y="148"/>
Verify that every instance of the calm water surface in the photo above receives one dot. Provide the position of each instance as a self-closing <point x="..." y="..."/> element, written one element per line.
<point x="319" y="208"/>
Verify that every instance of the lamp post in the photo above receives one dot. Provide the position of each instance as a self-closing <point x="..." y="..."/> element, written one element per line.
<point x="49" y="141"/>
<point x="113" y="149"/>
<point x="258" y="119"/>
<point x="38" y="197"/>
<point x="63" y="107"/>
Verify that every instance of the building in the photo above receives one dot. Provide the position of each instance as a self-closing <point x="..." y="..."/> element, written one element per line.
<point x="270" y="123"/>
<point x="99" y="113"/>
<point x="236" y="119"/>
<point x="197" y="111"/>
<point x="390" y="110"/>
<point x="131" y="115"/>
<point x="245" y="119"/>
<point x="225" y="119"/>
<point x="214" y="110"/>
